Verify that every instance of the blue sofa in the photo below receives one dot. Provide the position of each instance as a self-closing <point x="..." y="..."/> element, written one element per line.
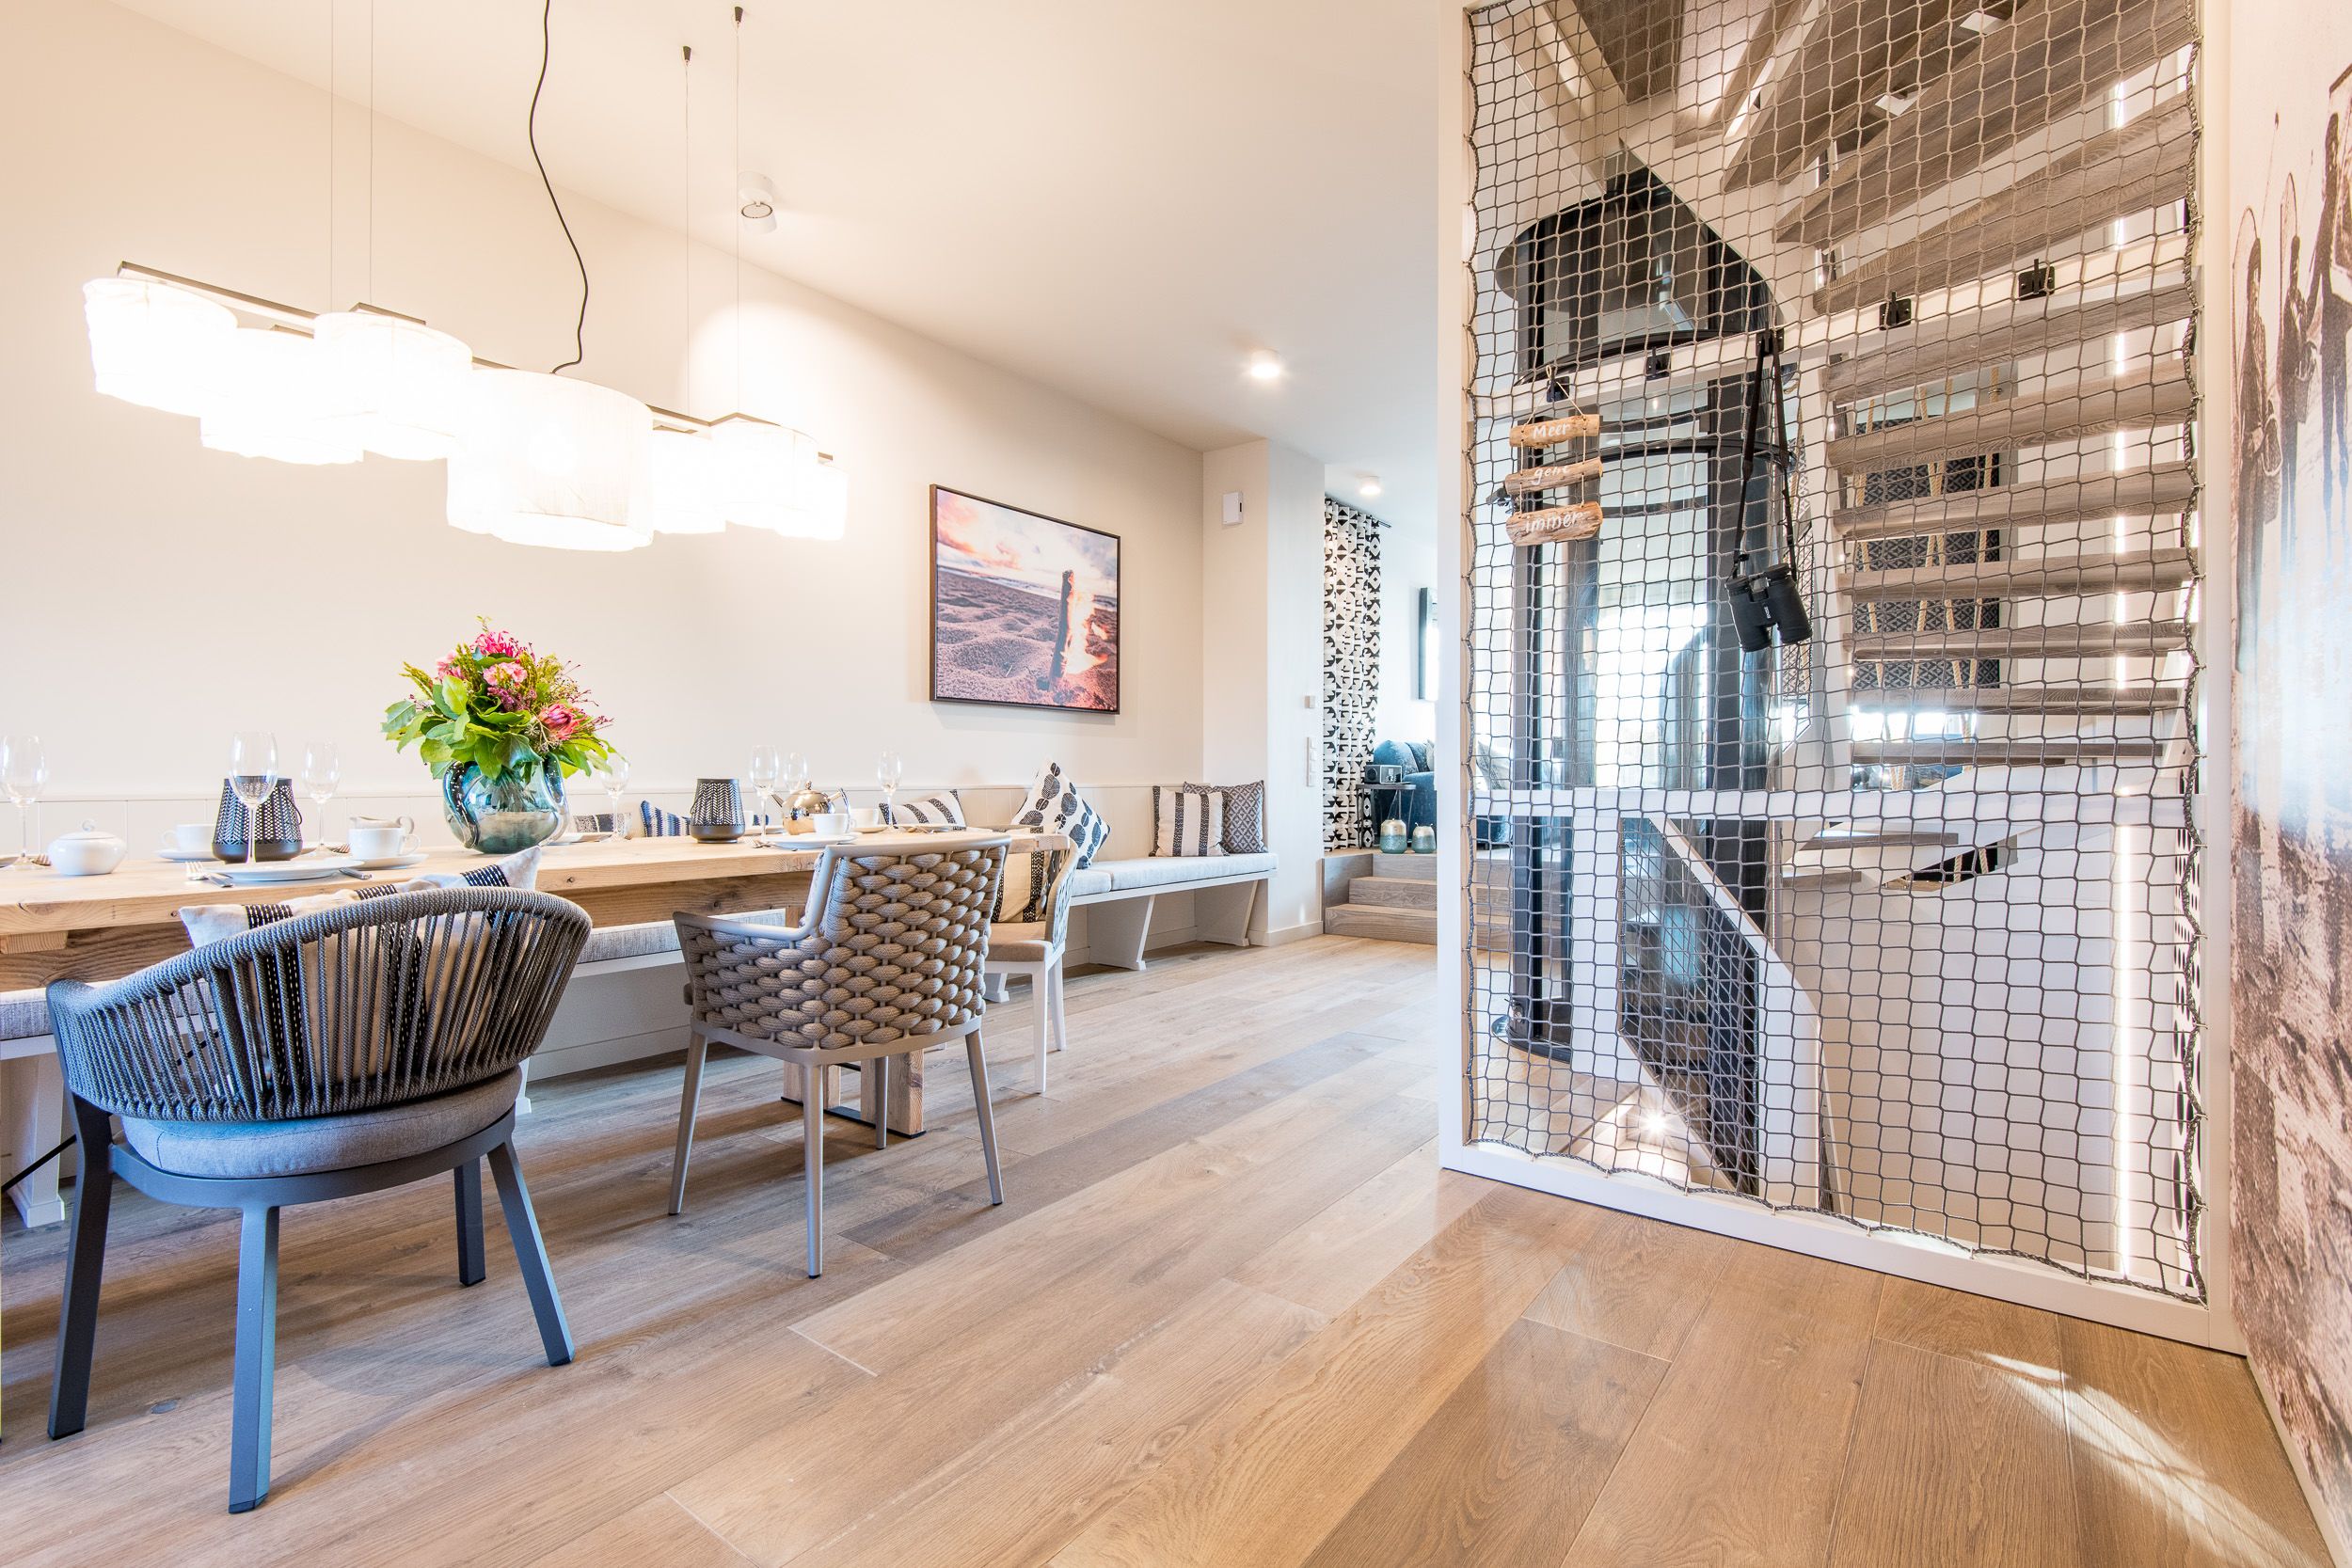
<point x="1420" y="780"/>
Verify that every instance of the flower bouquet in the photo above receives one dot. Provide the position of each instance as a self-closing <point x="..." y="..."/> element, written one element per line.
<point x="501" y="726"/>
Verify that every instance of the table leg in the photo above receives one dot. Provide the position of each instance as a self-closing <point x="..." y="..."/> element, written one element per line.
<point x="904" y="1099"/>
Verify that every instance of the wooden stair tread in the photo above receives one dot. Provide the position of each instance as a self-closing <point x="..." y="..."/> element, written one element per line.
<point x="2088" y="572"/>
<point x="2044" y="64"/>
<point x="1938" y="346"/>
<point x="2154" y="491"/>
<point x="2153" y="394"/>
<point x="2063" y="751"/>
<point x="1882" y="838"/>
<point x="2143" y="698"/>
<point x="2145" y="164"/>
<point x="1420" y="867"/>
<point x="1798" y="882"/>
<point x="1395" y="892"/>
<point x="2076" y="640"/>
<point x="1382" y="924"/>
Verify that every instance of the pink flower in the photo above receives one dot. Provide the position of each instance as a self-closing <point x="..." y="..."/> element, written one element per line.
<point x="497" y="644"/>
<point x="560" y="721"/>
<point x="507" y="682"/>
<point x="446" y="669"/>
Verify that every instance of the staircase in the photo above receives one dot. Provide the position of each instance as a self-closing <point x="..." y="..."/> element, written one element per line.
<point x="1397" y="902"/>
<point x="2011" y="552"/>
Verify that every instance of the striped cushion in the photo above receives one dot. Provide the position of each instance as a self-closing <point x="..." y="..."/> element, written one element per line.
<point x="1245" y="816"/>
<point x="938" y="810"/>
<point x="1187" y="822"/>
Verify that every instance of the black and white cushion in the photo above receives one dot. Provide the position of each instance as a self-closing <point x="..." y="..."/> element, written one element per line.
<point x="1245" y="816"/>
<point x="1055" y="806"/>
<point x="1187" y="822"/>
<point x="941" y="810"/>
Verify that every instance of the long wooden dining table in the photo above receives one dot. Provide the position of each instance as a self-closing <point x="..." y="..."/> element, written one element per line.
<point x="58" y="927"/>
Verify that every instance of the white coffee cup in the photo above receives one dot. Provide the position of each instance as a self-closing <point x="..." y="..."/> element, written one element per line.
<point x="188" y="837"/>
<point x="375" y="840"/>
<point x="834" y="824"/>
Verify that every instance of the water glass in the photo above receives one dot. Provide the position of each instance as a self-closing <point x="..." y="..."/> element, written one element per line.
<point x="322" y="772"/>
<point x="888" y="770"/>
<point x="252" y="774"/>
<point x="766" y="769"/>
<point x="613" y="772"/>
<point x="23" y="770"/>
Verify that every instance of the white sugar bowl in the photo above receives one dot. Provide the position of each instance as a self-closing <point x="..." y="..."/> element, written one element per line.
<point x="86" y="854"/>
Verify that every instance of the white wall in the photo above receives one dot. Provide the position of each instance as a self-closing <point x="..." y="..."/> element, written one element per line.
<point x="1409" y="563"/>
<point x="161" y="596"/>
<point x="1262" y="658"/>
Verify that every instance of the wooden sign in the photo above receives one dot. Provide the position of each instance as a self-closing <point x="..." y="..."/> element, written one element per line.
<point x="1548" y="433"/>
<point x="1553" y="523"/>
<point x="1528" y="481"/>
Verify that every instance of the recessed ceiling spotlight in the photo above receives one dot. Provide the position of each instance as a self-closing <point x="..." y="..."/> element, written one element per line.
<point x="755" y="194"/>
<point x="1264" y="365"/>
<point x="1980" y="22"/>
<point x="1369" y="486"/>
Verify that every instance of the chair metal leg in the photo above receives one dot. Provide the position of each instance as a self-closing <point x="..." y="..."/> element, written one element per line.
<point x="880" y="1067"/>
<point x="1041" y="1005"/>
<point x="1061" y="1019"/>
<point x="471" y="1265"/>
<point x="689" y="1099"/>
<point x="77" y="1320"/>
<point x="256" y="1359"/>
<point x="531" y="1254"/>
<point x="987" y="1114"/>
<point x="813" y="1164"/>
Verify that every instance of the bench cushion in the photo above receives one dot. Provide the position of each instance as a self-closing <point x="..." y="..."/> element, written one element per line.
<point x="630" y="942"/>
<point x="24" y="1015"/>
<point x="242" y="1149"/>
<point x="1019" y="942"/>
<point x="1091" y="881"/>
<point x="1174" y="871"/>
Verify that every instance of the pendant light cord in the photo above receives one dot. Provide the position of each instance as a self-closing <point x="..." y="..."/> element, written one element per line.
<point x="579" y="327"/>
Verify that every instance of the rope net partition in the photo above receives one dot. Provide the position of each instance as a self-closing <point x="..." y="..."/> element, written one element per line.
<point x="1830" y="664"/>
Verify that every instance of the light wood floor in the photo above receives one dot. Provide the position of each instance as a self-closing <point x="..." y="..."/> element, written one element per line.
<point x="1231" y="1314"/>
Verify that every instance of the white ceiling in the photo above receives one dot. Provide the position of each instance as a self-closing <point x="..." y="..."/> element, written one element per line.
<point x="1118" y="198"/>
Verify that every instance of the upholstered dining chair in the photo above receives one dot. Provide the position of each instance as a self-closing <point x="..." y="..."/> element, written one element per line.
<point x="1033" y="948"/>
<point x="331" y="1053"/>
<point x="884" y="963"/>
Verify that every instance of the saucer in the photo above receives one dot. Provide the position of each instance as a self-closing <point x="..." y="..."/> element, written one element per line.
<point x="186" y="856"/>
<point x="391" y="862"/>
<point x="823" y="841"/>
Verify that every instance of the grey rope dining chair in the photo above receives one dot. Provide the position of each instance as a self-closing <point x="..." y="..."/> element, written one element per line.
<point x="885" y="962"/>
<point x="344" y="1051"/>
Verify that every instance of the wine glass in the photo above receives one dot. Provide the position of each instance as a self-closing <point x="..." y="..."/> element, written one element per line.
<point x="888" y="770"/>
<point x="252" y="775"/>
<point x="793" y="778"/>
<point x="322" y="771"/>
<point x="23" y="769"/>
<point x="614" y="771"/>
<point x="766" y="766"/>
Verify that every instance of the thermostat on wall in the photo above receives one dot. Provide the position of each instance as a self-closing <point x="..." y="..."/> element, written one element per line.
<point x="1232" y="507"/>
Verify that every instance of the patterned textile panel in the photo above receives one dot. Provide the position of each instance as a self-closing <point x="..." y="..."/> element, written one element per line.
<point x="1351" y="668"/>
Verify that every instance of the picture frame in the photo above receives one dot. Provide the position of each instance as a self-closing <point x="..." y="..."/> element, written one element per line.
<point x="1025" y="608"/>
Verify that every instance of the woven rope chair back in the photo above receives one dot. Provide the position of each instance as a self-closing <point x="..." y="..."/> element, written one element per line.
<point x="894" y="952"/>
<point x="374" y="1004"/>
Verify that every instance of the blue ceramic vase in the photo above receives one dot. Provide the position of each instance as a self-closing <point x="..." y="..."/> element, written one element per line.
<point x="499" y="816"/>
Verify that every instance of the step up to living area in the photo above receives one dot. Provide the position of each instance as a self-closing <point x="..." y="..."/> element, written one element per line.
<point x="1397" y="901"/>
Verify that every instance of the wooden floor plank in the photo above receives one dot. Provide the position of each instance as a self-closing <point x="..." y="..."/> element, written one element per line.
<point x="1640" y="1284"/>
<point x="1506" y="1469"/>
<point x="1341" y="1253"/>
<point x="1040" y="1478"/>
<point x="1737" y="1462"/>
<point x="1953" y="1322"/>
<point x="2175" y="1460"/>
<point x="657" y="1532"/>
<point x="1326" y="1423"/>
<point x="1957" y="1464"/>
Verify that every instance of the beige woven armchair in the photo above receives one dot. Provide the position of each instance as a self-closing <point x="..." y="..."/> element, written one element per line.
<point x="885" y="962"/>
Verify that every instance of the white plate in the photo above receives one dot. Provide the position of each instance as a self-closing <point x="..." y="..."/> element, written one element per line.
<point x="184" y="857"/>
<point x="820" y="841"/>
<point x="309" y="868"/>
<point x="391" y="862"/>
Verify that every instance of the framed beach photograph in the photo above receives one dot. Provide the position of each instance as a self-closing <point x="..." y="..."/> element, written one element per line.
<point x="1025" y="608"/>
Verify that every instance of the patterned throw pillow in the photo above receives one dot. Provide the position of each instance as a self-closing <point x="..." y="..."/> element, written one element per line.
<point x="1055" y="806"/>
<point x="942" y="809"/>
<point x="1188" y="822"/>
<point x="1029" y="879"/>
<point x="1245" y="816"/>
